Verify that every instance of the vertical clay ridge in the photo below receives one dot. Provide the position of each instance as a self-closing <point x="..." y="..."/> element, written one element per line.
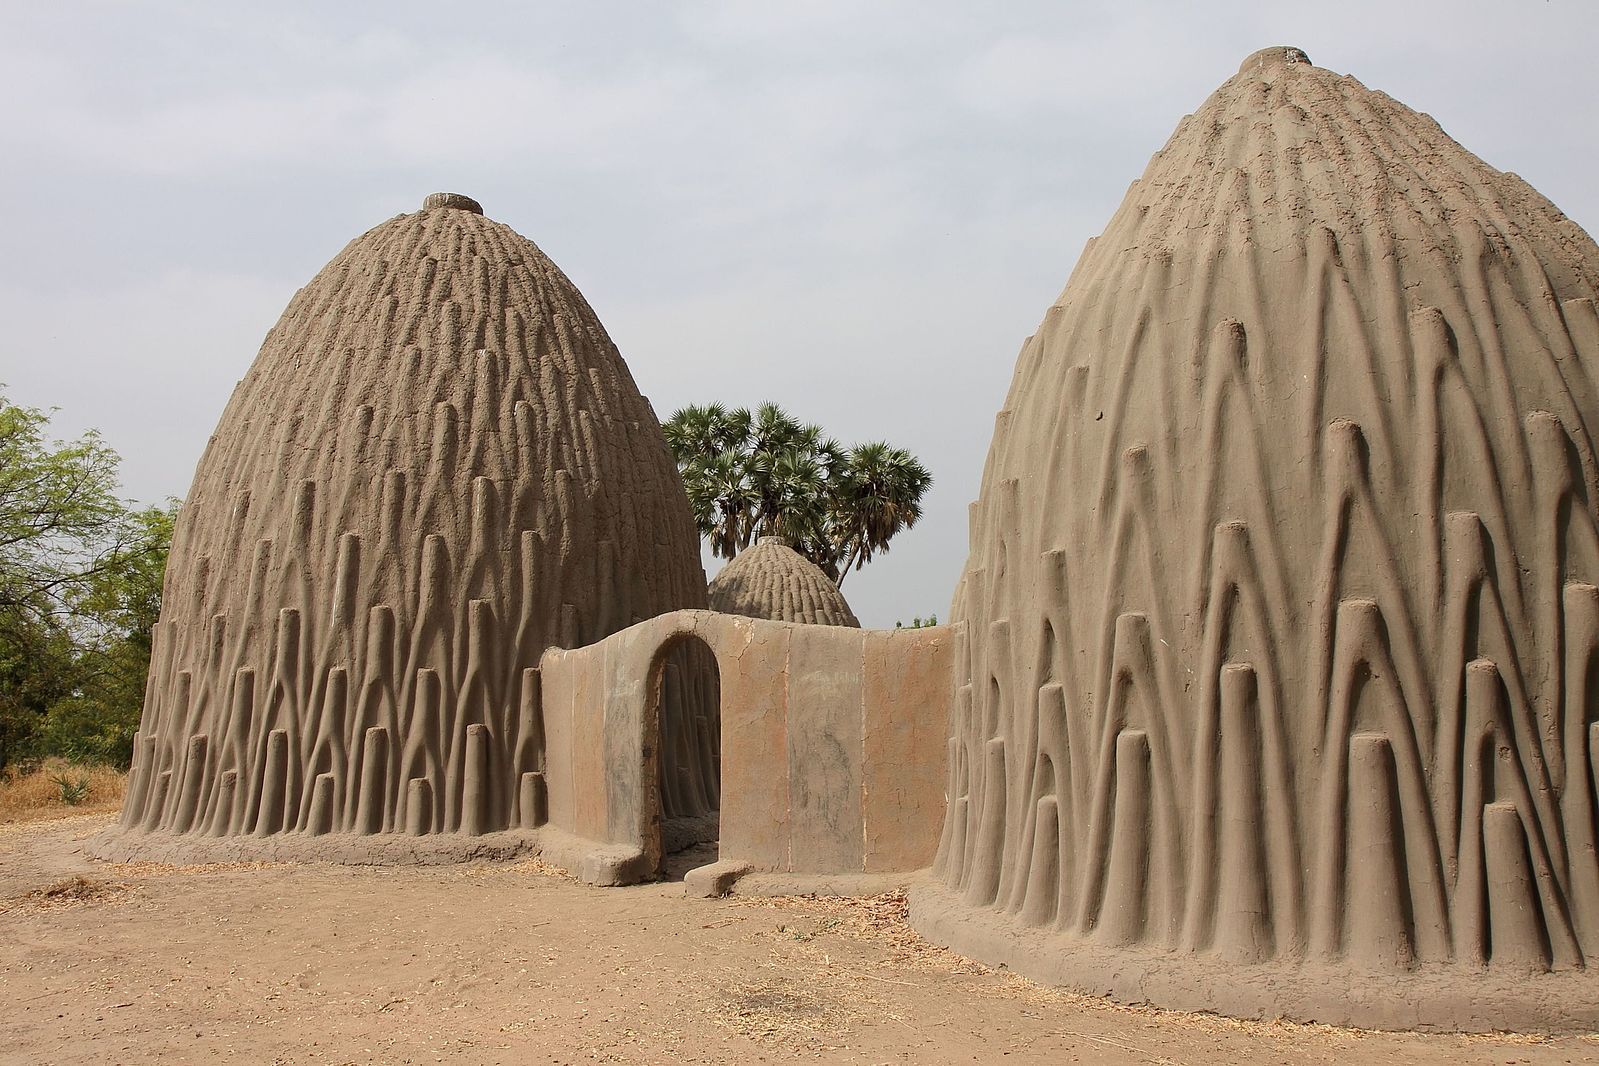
<point x="437" y="467"/>
<point x="771" y="580"/>
<point x="1306" y="556"/>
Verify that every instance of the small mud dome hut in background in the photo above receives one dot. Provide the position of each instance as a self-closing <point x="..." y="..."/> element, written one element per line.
<point x="771" y="580"/>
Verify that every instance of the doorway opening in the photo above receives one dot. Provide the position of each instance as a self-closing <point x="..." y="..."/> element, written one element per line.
<point x="686" y="688"/>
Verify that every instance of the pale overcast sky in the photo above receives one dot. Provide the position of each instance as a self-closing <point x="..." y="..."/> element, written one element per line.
<point x="856" y="209"/>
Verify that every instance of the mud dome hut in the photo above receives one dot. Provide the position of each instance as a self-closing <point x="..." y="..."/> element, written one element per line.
<point x="1277" y="640"/>
<point x="437" y="467"/>
<point x="1271" y="685"/>
<point x="772" y="580"/>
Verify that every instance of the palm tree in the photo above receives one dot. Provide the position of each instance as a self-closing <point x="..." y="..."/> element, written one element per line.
<point x="705" y="430"/>
<point x="772" y="429"/>
<point x="880" y="494"/>
<point x="719" y="494"/>
<point x="710" y="444"/>
<point x="751" y="474"/>
<point x="794" y="493"/>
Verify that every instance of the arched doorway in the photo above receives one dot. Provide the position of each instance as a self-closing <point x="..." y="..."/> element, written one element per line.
<point x="685" y="693"/>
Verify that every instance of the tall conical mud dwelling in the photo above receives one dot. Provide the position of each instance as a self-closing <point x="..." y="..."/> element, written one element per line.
<point x="437" y="467"/>
<point x="1278" y="643"/>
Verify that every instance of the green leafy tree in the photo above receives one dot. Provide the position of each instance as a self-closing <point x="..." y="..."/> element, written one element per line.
<point x="753" y="474"/>
<point x="115" y="614"/>
<point x="38" y="665"/>
<point x="61" y="521"/>
<point x="80" y="588"/>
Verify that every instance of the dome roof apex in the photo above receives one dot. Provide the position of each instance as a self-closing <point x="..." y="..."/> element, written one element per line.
<point x="453" y="200"/>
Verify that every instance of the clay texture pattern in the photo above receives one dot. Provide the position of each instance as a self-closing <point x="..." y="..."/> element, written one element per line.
<point x="773" y="581"/>
<point x="1279" y="636"/>
<point x="437" y="467"/>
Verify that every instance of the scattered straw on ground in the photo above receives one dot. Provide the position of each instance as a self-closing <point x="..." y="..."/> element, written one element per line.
<point x="783" y="1011"/>
<point x="65" y="894"/>
<point x="58" y="789"/>
<point x="521" y="867"/>
<point x="884" y="920"/>
<point x="170" y="869"/>
<point x="805" y="999"/>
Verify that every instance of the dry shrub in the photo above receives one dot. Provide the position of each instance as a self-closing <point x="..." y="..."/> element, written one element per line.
<point x="43" y="792"/>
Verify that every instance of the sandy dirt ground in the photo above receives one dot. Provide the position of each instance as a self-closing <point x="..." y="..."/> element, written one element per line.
<point x="515" y="963"/>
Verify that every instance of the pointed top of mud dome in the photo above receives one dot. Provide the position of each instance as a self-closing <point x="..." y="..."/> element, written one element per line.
<point x="1286" y="152"/>
<point x="1280" y="55"/>
<point x="458" y="201"/>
